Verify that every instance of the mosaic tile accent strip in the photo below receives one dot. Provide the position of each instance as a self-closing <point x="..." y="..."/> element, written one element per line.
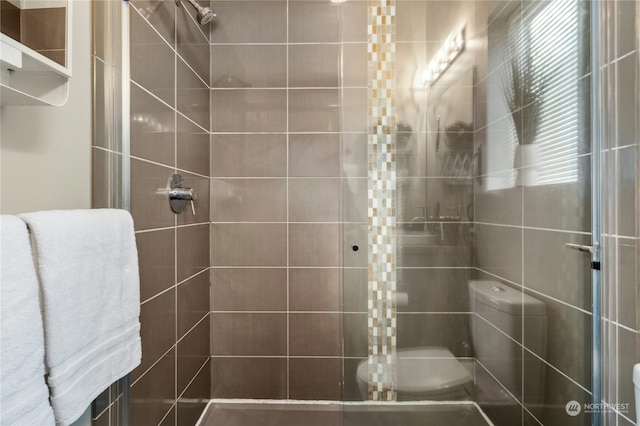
<point x="381" y="195"/>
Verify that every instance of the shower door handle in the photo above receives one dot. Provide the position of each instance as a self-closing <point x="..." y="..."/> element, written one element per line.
<point x="582" y="248"/>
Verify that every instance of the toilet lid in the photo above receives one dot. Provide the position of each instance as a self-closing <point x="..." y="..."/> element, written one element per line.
<point x="425" y="370"/>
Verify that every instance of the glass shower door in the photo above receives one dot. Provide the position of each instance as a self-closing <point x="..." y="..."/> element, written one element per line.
<point x="461" y="206"/>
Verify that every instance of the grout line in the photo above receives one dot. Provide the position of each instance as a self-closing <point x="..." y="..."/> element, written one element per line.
<point x="287" y="147"/>
<point x="153" y="365"/>
<point x="154" y="29"/>
<point x="361" y="268"/>
<point x="174" y="168"/>
<point x="113" y="67"/>
<point x="287" y="222"/>
<point x="532" y="416"/>
<point x="622" y="326"/>
<point x="155" y="163"/>
<point x="202" y="415"/>
<point x="620" y="58"/>
<point x="185" y="62"/>
<point x="140" y="86"/>
<point x="297" y="43"/>
<point x="146" y="231"/>
<point x="621" y="147"/>
<point x="107" y="150"/>
<point x="192" y="276"/>
<point x="281" y="312"/>
<point x="174" y="108"/>
<point x="548" y="364"/>
<point x="204" y="364"/>
<point x="174" y="405"/>
<point x="537" y="292"/>
<point x="530" y="228"/>
<point x="192" y="173"/>
<point x="249" y="356"/>
<point x="625" y="416"/>
<point x="310" y="177"/>
<point x="283" y="356"/>
<point x="175" y="216"/>
<point x="499" y="382"/>
<point x="191" y="225"/>
<point x="294" y="88"/>
<point x="107" y="408"/>
<point x="214" y="133"/>
<point x="174" y="286"/>
<point x="193" y="122"/>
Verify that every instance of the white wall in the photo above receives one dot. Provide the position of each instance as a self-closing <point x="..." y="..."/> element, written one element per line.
<point x="45" y="152"/>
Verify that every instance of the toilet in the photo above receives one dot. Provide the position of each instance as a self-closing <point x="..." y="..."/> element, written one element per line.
<point x="435" y="374"/>
<point x="505" y="308"/>
<point x="425" y="374"/>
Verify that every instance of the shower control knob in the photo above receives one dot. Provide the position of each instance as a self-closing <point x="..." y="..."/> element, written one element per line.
<point x="187" y="194"/>
<point x="179" y="195"/>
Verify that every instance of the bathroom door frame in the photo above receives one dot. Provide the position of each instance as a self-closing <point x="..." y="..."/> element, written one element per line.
<point x="596" y="216"/>
<point x="126" y="165"/>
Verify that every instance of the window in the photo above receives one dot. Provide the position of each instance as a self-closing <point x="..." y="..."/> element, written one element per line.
<point x="546" y="33"/>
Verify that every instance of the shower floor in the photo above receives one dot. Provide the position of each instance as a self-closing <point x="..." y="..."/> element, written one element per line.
<point x="274" y="413"/>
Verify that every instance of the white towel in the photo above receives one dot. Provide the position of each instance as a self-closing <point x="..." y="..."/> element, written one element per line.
<point x="88" y="268"/>
<point x="24" y="397"/>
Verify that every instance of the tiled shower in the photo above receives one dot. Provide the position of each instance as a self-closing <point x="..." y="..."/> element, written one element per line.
<point x="262" y="294"/>
<point x="169" y="130"/>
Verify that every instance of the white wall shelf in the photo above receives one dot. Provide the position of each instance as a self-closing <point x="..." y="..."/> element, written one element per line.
<point x="29" y="78"/>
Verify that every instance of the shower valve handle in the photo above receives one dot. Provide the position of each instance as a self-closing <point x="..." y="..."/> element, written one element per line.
<point x="185" y="194"/>
<point x="179" y="195"/>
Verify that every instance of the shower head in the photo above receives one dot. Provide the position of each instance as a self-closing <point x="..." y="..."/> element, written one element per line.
<point x="205" y="14"/>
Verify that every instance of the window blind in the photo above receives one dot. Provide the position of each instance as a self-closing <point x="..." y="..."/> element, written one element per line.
<point x="547" y="31"/>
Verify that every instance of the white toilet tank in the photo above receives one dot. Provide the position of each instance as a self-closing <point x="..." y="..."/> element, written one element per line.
<point x="505" y="307"/>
